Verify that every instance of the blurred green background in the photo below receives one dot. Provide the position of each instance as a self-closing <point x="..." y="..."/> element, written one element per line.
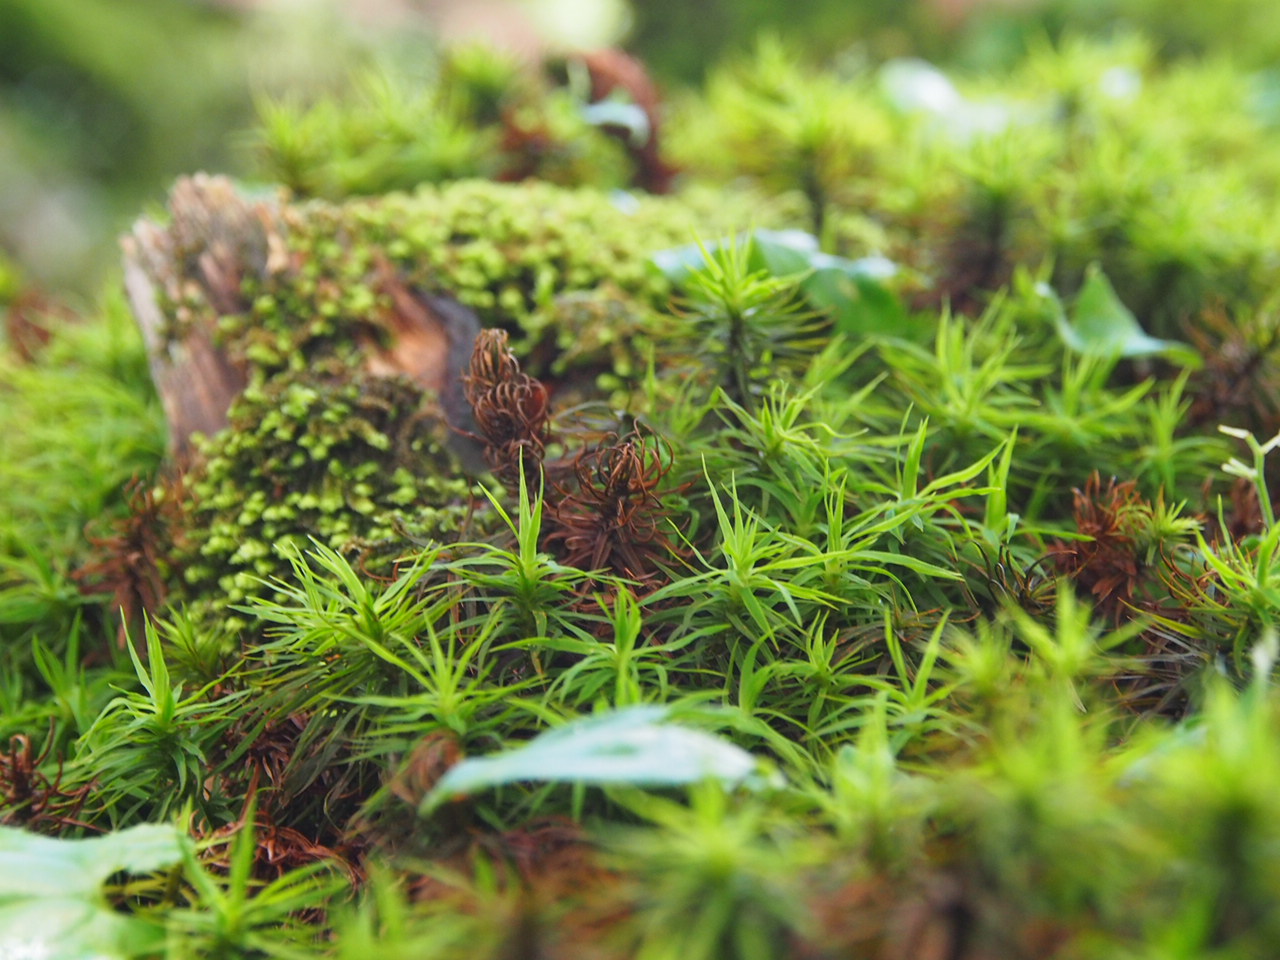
<point x="103" y="103"/>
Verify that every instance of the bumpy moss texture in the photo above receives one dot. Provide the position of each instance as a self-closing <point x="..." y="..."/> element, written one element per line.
<point x="524" y="257"/>
<point x="950" y="566"/>
<point x="349" y="461"/>
<point x="318" y="446"/>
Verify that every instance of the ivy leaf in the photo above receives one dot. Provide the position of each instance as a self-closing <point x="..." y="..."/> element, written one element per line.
<point x="632" y="746"/>
<point x="1101" y="325"/>
<point x="51" y="898"/>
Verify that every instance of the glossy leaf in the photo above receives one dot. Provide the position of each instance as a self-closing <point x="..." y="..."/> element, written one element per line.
<point x="51" y="898"/>
<point x="1102" y="325"/>
<point x="633" y="746"/>
<point x="626" y="116"/>
<point x="852" y="292"/>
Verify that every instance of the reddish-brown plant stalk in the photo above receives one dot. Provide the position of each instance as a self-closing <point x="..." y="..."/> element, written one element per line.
<point x="29" y="798"/>
<point x="129" y="560"/>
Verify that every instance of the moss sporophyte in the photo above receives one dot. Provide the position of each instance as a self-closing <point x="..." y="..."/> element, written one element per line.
<point x="838" y="556"/>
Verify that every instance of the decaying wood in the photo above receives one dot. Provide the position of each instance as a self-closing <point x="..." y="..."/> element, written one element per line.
<point x="214" y="237"/>
<point x="214" y="240"/>
<point x="195" y="380"/>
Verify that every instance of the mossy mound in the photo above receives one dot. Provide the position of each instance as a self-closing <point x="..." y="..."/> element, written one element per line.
<point x="312" y="306"/>
<point x="913" y="605"/>
<point x="355" y="462"/>
<point x="524" y="257"/>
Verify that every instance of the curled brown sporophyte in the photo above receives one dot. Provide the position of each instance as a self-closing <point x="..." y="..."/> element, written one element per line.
<point x="512" y="411"/>
<point x="614" y="520"/>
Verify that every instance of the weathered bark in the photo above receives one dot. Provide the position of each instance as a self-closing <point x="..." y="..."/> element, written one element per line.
<point x="202" y="253"/>
<point x="182" y="277"/>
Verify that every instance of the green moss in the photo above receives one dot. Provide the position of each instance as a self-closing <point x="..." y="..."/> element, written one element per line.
<point x="480" y="115"/>
<point x="316" y="448"/>
<point x="955" y="571"/>
<point x="565" y="271"/>
<point x="1083" y="153"/>
<point x="348" y="460"/>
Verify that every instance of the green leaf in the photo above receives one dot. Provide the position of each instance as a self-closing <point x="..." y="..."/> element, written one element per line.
<point x="632" y="746"/>
<point x="1102" y="325"/>
<point x="859" y="304"/>
<point x="784" y="252"/>
<point x="51" y="899"/>
<point x="853" y="292"/>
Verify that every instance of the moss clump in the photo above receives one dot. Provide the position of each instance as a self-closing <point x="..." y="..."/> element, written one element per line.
<point x="481" y="115"/>
<point x="316" y="302"/>
<point x="348" y="460"/>
<point x="524" y="257"/>
<point x="1084" y="153"/>
<point x="971" y="611"/>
